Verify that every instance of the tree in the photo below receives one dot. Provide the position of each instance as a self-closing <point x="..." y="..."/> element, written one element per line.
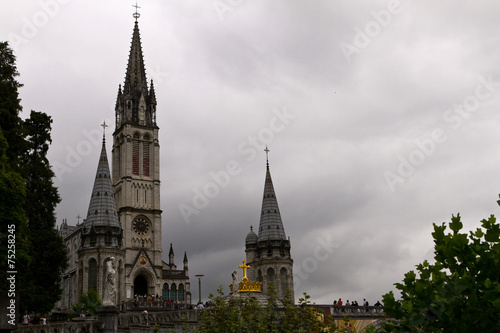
<point x="48" y="253"/>
<point x="10" y="107"/>
<point x="244" y="313"/>
<point x="460" y="292"/>
<point x="88" y="301"/>
<point x="12" y="220"/>
<point x="27" y="197"/>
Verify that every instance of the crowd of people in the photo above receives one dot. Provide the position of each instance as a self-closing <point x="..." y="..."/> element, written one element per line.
<point x="37" y="319"/>
<point x="354" y="303"/>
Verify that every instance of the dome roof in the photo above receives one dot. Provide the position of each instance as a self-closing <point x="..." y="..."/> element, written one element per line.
<point x="251" y="237"/>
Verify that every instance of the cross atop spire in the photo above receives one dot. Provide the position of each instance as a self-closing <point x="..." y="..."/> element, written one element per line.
<point x="267" y="156"/>
<point x="104" y="131"/>
<point x="136" y="15"/>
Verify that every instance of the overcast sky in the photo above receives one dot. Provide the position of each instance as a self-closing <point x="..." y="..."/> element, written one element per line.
<point x="381" y="118"/>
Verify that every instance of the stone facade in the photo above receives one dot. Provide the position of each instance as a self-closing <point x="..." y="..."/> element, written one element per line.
<point x="124" y="218"/>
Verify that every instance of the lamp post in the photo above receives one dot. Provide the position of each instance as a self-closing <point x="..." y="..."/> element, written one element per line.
<point x="199" y="276"/>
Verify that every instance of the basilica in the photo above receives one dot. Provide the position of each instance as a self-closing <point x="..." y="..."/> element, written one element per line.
<point x="124" y="219"/>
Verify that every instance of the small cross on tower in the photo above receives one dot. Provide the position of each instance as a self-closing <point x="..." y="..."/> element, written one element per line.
<point x="78" y="218"/>
<point x="136" y="15"/>
<point x="244" y="267"/>
<point x="267" y="156"/>
<point x="104" y="131"/>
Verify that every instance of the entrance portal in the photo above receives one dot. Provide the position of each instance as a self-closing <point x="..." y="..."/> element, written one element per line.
<point x="140" y="286"/>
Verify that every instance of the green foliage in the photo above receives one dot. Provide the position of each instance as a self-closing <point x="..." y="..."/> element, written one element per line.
<point x="28" y="197"/>
<point x="12" y="220"/>
<point x="10" y="107"/>
<point x="89" y="301"/>
<point x="244" y="313"/>
<point x="460" y="292"/>
<point x="48" y="255"/>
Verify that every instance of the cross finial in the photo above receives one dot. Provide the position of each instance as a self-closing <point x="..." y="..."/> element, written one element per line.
<point x="267" y="156"/>
<point x="244" y="267"/>
<point x="104" y="131"/>
<point x="136" y="15"/>
<point x="78" y="218"/>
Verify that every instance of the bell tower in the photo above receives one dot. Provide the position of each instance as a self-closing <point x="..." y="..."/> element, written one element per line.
<point x="268" y="253"/>
<point x="136" y="175"/>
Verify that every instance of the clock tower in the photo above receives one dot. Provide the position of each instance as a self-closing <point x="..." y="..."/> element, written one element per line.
<point x="136" y="176"/>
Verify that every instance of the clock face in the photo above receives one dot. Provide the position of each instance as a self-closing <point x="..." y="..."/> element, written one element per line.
<point x="141" y="226"/>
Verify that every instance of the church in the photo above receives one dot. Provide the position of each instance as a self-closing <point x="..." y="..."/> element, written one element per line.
<point x="124" y="221"/>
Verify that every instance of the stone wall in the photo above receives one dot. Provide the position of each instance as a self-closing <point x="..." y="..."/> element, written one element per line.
<point x="76" y="326"/>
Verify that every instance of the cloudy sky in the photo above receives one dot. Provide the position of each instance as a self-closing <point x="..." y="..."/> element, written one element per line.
<point x="381" y="117"/>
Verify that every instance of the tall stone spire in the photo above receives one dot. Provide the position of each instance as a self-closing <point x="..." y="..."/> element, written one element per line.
<point x="102" y="207"/>
<point x="271" y="226"/>
<point x="136" y="103"/>
<point x="135" y="77"/>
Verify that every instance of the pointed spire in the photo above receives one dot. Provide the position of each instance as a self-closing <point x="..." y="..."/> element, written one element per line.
<point x="171" y="255"/>
<point x="119" y="97"/>
<point x="152" y="94"/>
<point x="136" y="103"/>
<point x="185" y="257"/>
<point x="271" y="226"/>
<point x="102" y="207"/>
<point x="135" y="78"/>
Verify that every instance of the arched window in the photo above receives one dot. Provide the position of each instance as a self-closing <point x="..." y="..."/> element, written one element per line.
<point x="173" y="292"/>
<point x="283" y="284"/>
<point x="145" y="156"/>
<point x="164" y="292"/>
<point x="180" y="293"/>
<point x="92" y="274"/>
<point x="259" y="276"/>
<point x="135" y="155"/>
<point x="270" y="276"/>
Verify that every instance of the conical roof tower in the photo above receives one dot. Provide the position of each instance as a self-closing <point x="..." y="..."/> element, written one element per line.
<point x="102" y="207"/>
<point x="271" y="225"/>
<point x="102" y="226"/>
<point x="269" y="253"/>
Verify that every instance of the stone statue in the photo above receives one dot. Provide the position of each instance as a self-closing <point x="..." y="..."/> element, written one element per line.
<point x="235" y="280"/>
<point x="108" y="298"/>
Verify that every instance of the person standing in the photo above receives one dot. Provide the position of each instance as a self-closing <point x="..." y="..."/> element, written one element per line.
<point x="26" y="318"/>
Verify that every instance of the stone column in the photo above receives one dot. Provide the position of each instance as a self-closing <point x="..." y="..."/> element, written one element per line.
<point x="108" y="315"/>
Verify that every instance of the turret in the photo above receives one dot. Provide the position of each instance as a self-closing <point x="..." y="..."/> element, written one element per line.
<point x="185" y="261"/>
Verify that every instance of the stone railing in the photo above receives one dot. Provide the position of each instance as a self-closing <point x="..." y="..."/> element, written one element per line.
<point x="140" y="305"/>
<point x="74" y="326"/>
<point x="353" y="311"/>
<point x="128" y="319"/>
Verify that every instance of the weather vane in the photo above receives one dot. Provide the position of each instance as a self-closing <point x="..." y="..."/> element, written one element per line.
<point x="136" y="15"/>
